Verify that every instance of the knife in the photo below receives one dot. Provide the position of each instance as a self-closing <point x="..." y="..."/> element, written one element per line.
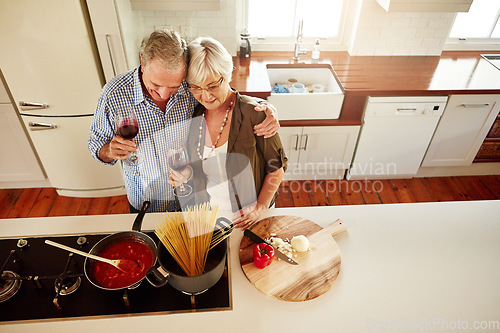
<point x="250" y="234"/>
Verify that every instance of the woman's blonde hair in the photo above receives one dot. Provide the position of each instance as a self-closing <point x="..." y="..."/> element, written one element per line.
<point x="169" y="48"/>
<point x="208" y="58"/>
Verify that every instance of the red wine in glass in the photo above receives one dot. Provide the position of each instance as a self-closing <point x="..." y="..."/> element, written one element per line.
<point x="178" y="160"/>
<point x="127" y="127"/>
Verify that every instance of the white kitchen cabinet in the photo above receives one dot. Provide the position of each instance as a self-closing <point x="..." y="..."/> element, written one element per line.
<point x="425" y="5"/>
<point x="18" y="162"/>
<point x="118" y="34"/>
<point x="318" y="152"/>
<point x="80" y="171"/>
<point x="462" y="129"/>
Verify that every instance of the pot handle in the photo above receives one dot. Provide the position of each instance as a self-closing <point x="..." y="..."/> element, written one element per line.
<point x="138" y="220"/>
<point x="223" y="226"/>
<point x="155" y="278"/>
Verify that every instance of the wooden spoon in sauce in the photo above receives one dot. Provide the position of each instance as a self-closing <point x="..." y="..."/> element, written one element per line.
<point x="124" y="265"/>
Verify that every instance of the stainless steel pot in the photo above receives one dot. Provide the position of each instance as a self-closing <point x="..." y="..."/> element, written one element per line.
<point x="170" y="272"/>
<point x="173" y="274"/>
<point x="134" y="235"/>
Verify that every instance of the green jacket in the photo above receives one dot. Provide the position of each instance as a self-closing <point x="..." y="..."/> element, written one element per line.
<point x="250" y="155"/>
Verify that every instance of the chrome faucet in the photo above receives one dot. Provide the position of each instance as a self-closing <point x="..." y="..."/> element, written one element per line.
<point x="298" y="51"/>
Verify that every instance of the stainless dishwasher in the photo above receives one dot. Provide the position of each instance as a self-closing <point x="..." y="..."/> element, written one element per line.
<point x="394" y="137"/>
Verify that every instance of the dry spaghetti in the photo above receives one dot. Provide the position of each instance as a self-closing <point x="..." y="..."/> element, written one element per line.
<point x="187" y="236"/>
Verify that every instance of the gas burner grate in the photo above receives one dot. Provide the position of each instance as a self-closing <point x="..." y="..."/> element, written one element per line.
<point x="67" y="285"/>
<point x="9" y="285"/>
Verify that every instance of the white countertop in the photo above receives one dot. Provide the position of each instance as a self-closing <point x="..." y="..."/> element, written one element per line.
<point x="425" y="267"/>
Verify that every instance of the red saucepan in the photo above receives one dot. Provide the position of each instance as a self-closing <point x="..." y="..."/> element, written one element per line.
<point x="134" y="245"/>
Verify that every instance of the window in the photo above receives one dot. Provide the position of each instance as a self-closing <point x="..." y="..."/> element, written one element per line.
<point x="480" y="26"/>
<point x="276" y="21"/>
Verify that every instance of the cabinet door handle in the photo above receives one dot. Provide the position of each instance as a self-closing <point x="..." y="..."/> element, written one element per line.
<point x="478" y="105"/>
<point x="110" y="50"/>
<point x="296" y="142"/>
<point x="36" y="126"/>
<point x="32" y="105"/>
<point x="305" y="142"/>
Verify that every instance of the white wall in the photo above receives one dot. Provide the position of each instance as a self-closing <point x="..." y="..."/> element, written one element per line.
<point x="381" y="33"/>
<point x="372" y="30"/>
<point x="223" y="25"/>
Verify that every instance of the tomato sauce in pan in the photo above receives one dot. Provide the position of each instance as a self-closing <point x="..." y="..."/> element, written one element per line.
<point x="108" y="276"/>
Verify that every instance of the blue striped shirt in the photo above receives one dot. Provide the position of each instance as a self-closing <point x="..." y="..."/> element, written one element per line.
<point x="148" y="180"/>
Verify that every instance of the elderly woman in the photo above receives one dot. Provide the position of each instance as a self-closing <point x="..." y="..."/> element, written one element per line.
<point x="222" y="131"/>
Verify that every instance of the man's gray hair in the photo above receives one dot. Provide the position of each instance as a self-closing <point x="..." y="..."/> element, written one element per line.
<point x="169" y="48"/>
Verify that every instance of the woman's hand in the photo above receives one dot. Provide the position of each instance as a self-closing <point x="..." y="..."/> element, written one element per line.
<point x="248" y="215"/>
<point x="270" y="125"/>
<point x="180" y="177"/>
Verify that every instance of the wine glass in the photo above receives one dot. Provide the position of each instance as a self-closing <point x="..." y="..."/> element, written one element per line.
<point x="178" y="160"/>
<point x="127" y="127"/>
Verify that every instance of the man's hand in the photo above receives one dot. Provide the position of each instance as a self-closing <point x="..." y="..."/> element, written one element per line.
<point x="270" y="125"/>
<point x="118" y="149"/>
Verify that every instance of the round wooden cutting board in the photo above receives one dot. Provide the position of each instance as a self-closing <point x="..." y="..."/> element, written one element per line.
<point x="317" y="268"/>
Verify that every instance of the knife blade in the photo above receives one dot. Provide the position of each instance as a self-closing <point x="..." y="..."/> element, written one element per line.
<point x="255" y="238"/>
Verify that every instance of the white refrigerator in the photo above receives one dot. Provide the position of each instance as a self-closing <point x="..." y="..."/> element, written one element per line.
<point x="52" y="67"/>
<point x="119" y="34"/>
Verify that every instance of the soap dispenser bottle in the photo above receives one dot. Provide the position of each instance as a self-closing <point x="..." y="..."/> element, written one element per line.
<point x="315" y="52"/>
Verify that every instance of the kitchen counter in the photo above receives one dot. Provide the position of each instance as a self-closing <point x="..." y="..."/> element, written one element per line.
<point x="407" y="267"/>
<point x="454" y="72"/>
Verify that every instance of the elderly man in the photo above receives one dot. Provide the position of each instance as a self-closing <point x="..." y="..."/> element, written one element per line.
<point x="161" y="100"/>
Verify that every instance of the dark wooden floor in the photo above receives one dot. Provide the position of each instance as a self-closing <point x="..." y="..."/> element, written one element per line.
<point x="40" y="202"/>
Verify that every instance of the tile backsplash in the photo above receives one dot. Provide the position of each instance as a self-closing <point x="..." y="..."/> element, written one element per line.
<point x="222" y="25"/>
<point x="386" y="33"/>
<point x="376" y="31"/>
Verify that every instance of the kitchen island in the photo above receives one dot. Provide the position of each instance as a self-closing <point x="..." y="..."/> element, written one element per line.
<point x="422" y="267"/>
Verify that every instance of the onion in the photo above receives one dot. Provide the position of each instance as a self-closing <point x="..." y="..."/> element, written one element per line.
<point x="300" y="243"/>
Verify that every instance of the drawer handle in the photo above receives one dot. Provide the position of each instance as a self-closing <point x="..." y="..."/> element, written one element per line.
<point x="479" y="105"/>
<point x="33" y="105"/>
<point x="36" y="126"/>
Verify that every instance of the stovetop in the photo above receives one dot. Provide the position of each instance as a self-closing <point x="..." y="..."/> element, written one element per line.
<point x="39" y="266"/>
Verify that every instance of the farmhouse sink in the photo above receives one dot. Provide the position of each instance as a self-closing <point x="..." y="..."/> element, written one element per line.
<point x="309" y="104"/>
<point x="493" y="59"/>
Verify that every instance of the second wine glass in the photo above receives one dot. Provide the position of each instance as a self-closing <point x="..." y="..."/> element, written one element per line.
<point x="127" y="127"/>
<point x="178" y="160"/>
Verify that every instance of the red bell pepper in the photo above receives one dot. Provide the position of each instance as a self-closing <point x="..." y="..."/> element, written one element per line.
<point x="263" y="255"/>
